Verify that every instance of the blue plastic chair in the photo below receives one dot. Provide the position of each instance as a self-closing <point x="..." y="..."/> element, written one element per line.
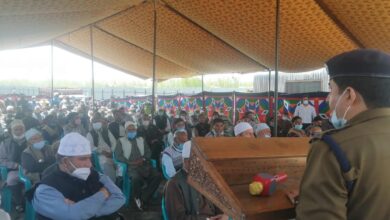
<point x="126" y="185"/>
<point x="6" y="194"/>
<point x="95" y="160"/>
<point x="29" y="213"/>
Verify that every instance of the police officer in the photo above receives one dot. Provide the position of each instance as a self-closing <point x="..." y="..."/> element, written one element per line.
<point x="346" y="174"/>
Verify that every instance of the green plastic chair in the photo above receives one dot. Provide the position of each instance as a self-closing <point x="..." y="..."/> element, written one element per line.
<point x="126" y="185"/>
<point x="163" y="209"/>
<point x="29" y="213"/>
<point x="164" y="171"/>
<point x="153" y="163"/>
<point x="95" y="160"/>
<point x="6" y="194"/>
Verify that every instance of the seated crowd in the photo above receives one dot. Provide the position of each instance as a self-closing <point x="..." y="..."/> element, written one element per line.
<point x="70" y="155"/>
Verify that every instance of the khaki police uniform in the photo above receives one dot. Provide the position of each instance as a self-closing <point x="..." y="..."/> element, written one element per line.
<point x="366" y="143"/>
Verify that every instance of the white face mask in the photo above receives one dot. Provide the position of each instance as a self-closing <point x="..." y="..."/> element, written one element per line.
<point x="81" y="173"/>
<point x="336" y="121"/>
<point x="20" y="137"/>
<point x="305" y="102"/>
<point x="145" y="123"/>
<point x="218" y="134"/>
<point x="97" y="125"/>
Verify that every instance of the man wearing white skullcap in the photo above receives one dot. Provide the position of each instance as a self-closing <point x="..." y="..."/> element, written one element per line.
<point x="262" y="130"/>
<point x="37" y="156"/>
<point x="10" y="157"/>
<point x="74" y="190"/>
<point x="135" y="152"/>
<point x="103" y="143"/>
<point x="172" y="160"/>
<point x="243" y="129"/>
<point x="178" y="193"/>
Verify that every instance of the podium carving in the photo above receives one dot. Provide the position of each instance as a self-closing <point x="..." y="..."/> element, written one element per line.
<point x="222" y="168"/>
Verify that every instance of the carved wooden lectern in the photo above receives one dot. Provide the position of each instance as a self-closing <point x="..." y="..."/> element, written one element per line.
<point x="222" y="168"/>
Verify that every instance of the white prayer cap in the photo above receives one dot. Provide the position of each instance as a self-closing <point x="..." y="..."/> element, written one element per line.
<point x="179" y="131"/>
<point x="128" y="123"/>
<point x="186" y="150"/>
<point x="241" y="127"/>
<point x="16" y="122"/>
<point x="31" y="133"/>
<point x="73" y="144"/>
<point x="10" y="108"/>
<point x="260" y="127"/>
<point x="52" y="111"/>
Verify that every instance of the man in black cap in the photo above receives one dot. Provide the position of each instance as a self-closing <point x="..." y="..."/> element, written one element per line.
<point x="346" y="175"/>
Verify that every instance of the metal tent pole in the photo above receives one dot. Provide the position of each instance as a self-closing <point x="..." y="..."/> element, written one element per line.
<point x="277" y="39"/>
<point x="52" y="71"/>
<point x="203" y="97"/>
<point x="154" y="57"/>
<point x="269" y="91"/>
<point x="92" y="67"/>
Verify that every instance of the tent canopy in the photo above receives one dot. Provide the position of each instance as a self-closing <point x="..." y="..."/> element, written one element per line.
<point x="199" y="36"/>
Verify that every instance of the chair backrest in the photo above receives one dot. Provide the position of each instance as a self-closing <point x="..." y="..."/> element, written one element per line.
<point x="163" y="208"/>
<point x="23" y="178"/>
<point x="153" y="163"/>
<point x="164" y="172"/>
<point x="30" y="212"/>
<point x="4" y="173"/>
<point x="6" y="194"/>
<point x="95" y="160"/>
<point x="126" y="185"/>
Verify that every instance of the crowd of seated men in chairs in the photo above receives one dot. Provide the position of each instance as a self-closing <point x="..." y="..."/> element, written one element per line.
<point x="131" y="149"/>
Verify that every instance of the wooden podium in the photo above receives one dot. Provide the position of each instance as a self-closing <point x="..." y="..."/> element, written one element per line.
<point x="222" y="168"/>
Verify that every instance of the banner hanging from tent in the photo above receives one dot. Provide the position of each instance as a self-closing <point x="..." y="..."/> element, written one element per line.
<point x="223" y="103"/>
<point x="233" y="105"/>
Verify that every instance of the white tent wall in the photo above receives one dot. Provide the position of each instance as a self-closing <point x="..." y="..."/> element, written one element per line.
<point x="260" y="82"/>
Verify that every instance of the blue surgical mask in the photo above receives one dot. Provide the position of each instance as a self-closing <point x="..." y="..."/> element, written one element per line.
<point x="339" y="122"/>
<point x="39" y="145"/>
<point x="299" y="127"/>
<point x="97" y="125"/>
<point x="180" y="146"/>
<point x="131" y="134"/>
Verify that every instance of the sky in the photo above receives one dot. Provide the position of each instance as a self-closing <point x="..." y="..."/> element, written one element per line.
<point x="34" y="64"/>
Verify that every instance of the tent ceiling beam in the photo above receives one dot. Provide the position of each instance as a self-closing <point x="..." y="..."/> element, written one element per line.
<point x="338" y="23"/>
<point x="87" y="25"/>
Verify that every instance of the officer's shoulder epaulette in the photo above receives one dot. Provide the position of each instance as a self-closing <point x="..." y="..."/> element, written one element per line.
<point x="327" y="132"/>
